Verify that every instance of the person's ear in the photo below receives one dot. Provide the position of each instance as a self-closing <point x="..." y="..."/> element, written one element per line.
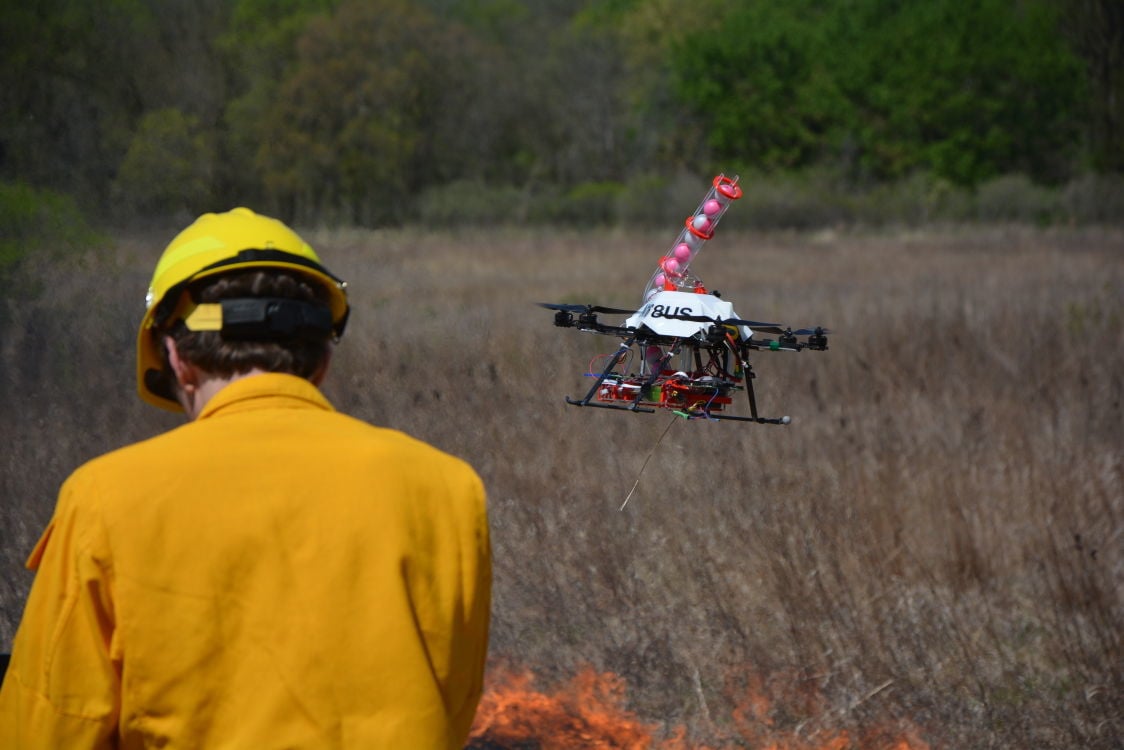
<point x="187" y="375"/>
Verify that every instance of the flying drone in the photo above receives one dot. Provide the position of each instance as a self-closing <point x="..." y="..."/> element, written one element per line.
<point x="685" y="349"/>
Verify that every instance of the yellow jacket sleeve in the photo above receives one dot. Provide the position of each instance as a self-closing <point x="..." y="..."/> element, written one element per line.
<point x="60" y="690"/>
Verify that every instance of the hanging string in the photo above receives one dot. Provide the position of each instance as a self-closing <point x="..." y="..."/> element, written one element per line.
<point x="645" y="464"/>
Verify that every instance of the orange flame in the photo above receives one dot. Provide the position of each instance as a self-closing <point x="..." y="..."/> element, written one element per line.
<point x="589" y="712"/>
<point x="585" y="713"/>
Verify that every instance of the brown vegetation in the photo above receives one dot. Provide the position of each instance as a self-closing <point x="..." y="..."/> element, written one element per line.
<point x="933" y="549"/>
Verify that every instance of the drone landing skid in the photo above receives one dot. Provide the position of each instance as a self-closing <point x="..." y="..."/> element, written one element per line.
<point x="649" y="410"/>
<point x="618" y="407"/>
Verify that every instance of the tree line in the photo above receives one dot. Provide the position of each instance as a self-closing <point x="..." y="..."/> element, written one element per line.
<point x="377" y="112"/>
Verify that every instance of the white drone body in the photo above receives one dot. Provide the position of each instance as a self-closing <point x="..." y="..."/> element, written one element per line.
<point x="664" y="314"/>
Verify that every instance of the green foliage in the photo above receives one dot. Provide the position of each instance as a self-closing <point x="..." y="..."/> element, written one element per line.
<point x="489" y="17"/>
<point x="965" y="90"/>
<point x="471" y="203"/>
<point x="1016" y="198"/>
<point x="34" y="220"/>
<point x="269" y="25"/>
<point x="259" y="49"/>
<point x="760" y="83"/>
<point x="651" y="200"/>
<point x="1094" y="199"/>
<point x="1095" y="29"/>
<point x="260" y="41"/>
<point x="358" y="122"/>
<point x="590" y="204"/>
<point x="645" y="200"/>
<point x="167" y="167"/>
<point x="69" y="83"/>
<point x="346" y="110"/>
<point x="36" y="227"/>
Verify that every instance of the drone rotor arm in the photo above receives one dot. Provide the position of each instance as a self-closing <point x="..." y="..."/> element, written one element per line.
<point x="567" y="307"/>
<point x="761" y="327"/>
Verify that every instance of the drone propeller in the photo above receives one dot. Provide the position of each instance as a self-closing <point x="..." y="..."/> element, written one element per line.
<point x="817" y="339"/>
<point x="584" y="308"/>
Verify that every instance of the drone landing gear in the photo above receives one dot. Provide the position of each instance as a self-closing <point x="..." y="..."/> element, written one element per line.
<point x="758" y="420"/>
<point x="618" y="407"/>
<point x="622" y="350"/>
<point x="699" y="397"/>
<point x="702" y="415"/>
<point x="754" y="417"/>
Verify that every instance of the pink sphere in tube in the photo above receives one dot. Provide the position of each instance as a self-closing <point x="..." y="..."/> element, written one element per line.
<point x="659" y="280"/>
<point x="682" y="252"/>
<point x="671" y="266"/>
<point x="712" y="207"/>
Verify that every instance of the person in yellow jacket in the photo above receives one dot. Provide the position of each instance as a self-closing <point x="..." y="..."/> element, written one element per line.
<point x="272" y="574"/>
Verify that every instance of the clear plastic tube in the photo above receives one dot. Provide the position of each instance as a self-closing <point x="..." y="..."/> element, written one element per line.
<point x="673" y="271"/>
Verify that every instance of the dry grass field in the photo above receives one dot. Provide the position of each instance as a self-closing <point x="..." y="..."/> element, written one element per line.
<point x="930" y="555"/>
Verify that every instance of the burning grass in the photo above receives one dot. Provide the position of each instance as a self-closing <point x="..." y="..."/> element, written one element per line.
<point x="589" y="711"/>
<point x="930" y="554"/>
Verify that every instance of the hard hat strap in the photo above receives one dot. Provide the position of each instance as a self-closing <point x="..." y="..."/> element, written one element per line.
<point x="262" y="319"/>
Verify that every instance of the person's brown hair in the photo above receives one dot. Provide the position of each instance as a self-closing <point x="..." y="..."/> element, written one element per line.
<point x="209" y="351"/>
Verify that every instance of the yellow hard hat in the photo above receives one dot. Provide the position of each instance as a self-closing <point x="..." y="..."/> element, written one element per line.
<point x="216" y="244"/>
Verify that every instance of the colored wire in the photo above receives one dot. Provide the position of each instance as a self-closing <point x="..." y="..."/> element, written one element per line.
<point x="594" y="372"/>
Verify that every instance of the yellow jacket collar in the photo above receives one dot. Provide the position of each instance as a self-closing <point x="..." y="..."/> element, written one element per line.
<point x="253" y="392"/>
